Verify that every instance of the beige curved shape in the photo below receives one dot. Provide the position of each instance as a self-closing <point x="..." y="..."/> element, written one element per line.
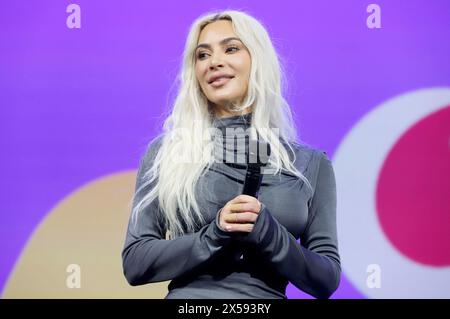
<point x="87" y="228"/>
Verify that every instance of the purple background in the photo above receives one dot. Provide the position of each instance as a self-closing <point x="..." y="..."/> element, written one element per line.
<point x="77" y="104"/>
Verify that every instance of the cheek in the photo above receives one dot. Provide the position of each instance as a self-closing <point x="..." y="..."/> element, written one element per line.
<point x="197" y="73"/>
<point x="199" y="76"/>
<point x="199" y="70"/>
<point x="244" y="66"/>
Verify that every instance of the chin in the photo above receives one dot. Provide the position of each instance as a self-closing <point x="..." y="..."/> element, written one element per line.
<point x="223" y="99"/>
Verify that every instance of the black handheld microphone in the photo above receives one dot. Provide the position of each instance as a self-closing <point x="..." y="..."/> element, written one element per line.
<point x="257" y="157"/>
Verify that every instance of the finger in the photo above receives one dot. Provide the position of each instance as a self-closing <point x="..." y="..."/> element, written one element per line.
<point x="242" y="199"/>
<point x="242" y="207"/>
<point x="245" y="217"/>
<point x="246" y="228"/>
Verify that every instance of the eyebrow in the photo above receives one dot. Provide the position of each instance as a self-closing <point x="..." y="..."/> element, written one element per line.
<point x="224" y="41"/>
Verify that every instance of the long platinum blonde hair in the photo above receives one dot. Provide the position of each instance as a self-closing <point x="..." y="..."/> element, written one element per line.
<point x="174" y="182"/>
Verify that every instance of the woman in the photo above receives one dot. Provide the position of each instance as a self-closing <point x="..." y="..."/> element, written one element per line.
<point x="220" y="243"/>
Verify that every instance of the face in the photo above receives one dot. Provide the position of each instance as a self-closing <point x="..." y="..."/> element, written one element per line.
<point x="222" y="65"/>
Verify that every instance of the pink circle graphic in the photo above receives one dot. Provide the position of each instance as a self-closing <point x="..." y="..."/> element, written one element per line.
<point x="413" y="191"/>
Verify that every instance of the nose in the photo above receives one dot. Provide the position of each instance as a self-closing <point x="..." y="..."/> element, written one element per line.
<point x="215" y="61"/>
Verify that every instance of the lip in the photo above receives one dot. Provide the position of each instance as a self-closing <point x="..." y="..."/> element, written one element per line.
<point x="215" y="76"/>
<point x="220" y="81"/>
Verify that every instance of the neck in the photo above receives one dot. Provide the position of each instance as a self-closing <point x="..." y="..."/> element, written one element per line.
<point x="221" y="113"/>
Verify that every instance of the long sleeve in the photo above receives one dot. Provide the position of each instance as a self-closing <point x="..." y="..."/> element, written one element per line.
<point x="148" y="257"/>
<point x="314" y="265"/>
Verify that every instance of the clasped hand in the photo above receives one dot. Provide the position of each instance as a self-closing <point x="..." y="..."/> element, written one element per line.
<point x="239" y="214"/>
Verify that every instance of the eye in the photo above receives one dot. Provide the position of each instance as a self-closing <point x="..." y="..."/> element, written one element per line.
<point x="200" y="55"/>
<point x="236" y="48"/>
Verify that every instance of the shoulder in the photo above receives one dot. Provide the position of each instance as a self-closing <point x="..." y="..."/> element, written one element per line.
<point x="308" y="158"/>
<point x="152" y="149"/>
<point x="314" y="164"/>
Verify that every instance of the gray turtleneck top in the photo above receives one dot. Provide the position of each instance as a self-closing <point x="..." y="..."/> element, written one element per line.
<point x="294" y="238"/>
